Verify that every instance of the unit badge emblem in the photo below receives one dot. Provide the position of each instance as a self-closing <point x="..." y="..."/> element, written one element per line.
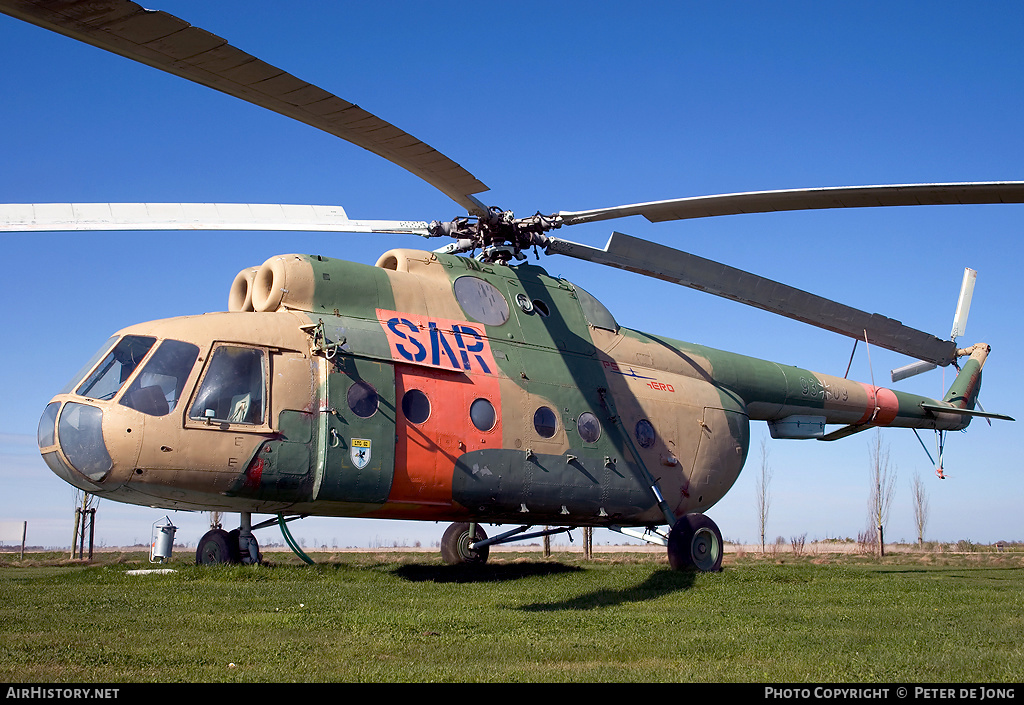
<point x="360" y="452"/>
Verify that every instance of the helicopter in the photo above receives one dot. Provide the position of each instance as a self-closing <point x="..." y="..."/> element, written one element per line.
<point x="441" y="387"/>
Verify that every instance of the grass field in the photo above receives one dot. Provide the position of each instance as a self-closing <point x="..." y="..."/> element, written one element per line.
<point x="620" y="617"/>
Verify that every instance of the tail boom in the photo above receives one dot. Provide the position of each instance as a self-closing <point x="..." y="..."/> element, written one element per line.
<point x="859" y="406"/>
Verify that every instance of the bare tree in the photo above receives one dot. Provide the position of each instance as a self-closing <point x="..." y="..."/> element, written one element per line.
<point x="883" y="484"/>
<point x="764" y="498"/>
<point x="920" y="507"/>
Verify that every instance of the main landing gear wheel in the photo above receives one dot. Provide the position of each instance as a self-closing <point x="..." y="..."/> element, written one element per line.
<point x="455" y="543"/>
<point x="695" y="543"/>
<point x="217" y="546"/>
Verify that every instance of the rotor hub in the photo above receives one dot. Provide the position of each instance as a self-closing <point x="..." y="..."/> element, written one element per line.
<point x="497" y="234"/>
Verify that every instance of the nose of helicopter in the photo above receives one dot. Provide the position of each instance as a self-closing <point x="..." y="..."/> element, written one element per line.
<point x="71" y="443"/>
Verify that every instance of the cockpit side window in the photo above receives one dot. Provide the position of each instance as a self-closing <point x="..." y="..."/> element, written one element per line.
<point x="115" y="369"/>
<point x="158" y="387"/>
<point x="233" y="389"/>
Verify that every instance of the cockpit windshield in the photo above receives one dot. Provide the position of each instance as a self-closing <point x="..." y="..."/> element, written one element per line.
<point x="158" y="387"/>
<point x="115" y="369"/>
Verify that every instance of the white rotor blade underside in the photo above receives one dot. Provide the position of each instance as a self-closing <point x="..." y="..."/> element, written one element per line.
<point x="963" y="304"/>
<point x="63" y="217"/>
<point x="810" y="199"/>
<point x="165" y="42"/>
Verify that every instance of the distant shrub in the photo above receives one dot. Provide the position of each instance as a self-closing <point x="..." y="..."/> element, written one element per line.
<point x="866" y="541"/>
<point x="797" y="542"/>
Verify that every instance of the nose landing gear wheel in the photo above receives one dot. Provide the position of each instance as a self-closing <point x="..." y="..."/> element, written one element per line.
<point x="217" y="546"/>
<point x="695" y="543"/>
<point x="455" y="543"/>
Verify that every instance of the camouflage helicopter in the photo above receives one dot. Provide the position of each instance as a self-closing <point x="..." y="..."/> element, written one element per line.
<point x="436" y="386"/>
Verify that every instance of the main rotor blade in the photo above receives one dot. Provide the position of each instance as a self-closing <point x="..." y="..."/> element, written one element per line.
<point x="660" y="262"/>
<point x="69" y="217"/>
<point x="810" y="199"/>
<point x="170" y="44"/>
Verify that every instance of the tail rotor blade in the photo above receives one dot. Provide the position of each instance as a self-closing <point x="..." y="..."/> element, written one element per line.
<point x="914" y="368"/>
<point x="963" y="305"/>
<point x="963" y="309"/>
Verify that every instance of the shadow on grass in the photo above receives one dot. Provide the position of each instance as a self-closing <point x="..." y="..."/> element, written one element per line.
<point x="993" y="573"/>
<point x="480" y="574"/>
<point x="660" y="583"/>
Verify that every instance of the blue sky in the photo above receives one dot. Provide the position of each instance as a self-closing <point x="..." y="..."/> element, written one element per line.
<point x="555" y="106"/>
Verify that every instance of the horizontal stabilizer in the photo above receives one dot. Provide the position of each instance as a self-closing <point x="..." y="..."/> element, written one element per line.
<point x="940" y="408"/>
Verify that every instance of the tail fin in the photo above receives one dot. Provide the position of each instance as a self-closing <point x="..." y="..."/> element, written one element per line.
<point x="963" y="393"/>
<point x="962" y="396"/>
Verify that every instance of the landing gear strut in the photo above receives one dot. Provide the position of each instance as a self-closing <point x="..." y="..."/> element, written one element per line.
<point x="238" y="546"/>
<point x="248" y="548"/>
<point x="695" y="543"/>
<point x="457" y="546"/>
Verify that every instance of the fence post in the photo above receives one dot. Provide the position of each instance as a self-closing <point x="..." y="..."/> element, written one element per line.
<point x="74" y="537"/>
<point x="92" y="529"/>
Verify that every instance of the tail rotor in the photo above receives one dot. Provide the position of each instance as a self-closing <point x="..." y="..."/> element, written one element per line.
<point x="963" y="310"/>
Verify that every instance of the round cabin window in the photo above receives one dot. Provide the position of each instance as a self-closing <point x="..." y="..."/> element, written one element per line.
<point x="645" y="433"/>
<point x="482" y="414"/>
<point x="415" y="406"/>
<point x="545" y="422"/>
<point x="481" y="300"/>
<point x="363" y="400"/>
<point x="589" y="427"/>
